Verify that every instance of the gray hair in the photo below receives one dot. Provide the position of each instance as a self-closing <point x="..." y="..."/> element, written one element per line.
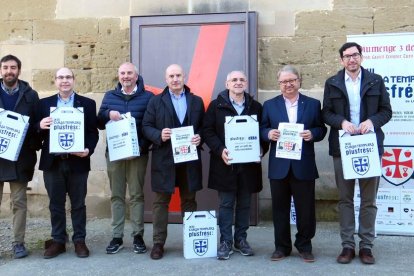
<point x="289" y="69"/>
<point x="238" y="71"/>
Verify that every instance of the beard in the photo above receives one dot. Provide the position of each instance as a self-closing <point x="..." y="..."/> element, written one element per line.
<point x="10" y="80"/>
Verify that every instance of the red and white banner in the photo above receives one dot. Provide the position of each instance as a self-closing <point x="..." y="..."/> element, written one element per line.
<point x="392" y="57"/>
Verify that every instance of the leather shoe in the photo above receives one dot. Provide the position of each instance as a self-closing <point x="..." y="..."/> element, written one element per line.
<point x="278" y="255"/>
<point x="307" y="256"/>
<point x="346" y="255"/>
<point x="366" y="257"/>
<point x="54" y="250"/>
<point x="157" y="251"/>
<point x="81" y="249"/>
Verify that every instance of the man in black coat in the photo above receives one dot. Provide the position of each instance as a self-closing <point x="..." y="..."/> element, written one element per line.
<point x="356" y="101"/>
<point x="17" y="96"/>
<point x="66" y="173"/>
<point x="234" y="182"/>
<point x="175" y="107"/>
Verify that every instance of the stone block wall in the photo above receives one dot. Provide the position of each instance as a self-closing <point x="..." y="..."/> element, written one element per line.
<point x="92" y="38"/>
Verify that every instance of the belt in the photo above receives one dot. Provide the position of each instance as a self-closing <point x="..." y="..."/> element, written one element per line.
<point x="64" y="156"/>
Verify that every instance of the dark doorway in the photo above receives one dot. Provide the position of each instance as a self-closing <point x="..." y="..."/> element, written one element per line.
<point x="208" y="47"/>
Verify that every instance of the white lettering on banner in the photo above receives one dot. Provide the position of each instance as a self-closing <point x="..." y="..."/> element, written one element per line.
<point x="391" y="56"/>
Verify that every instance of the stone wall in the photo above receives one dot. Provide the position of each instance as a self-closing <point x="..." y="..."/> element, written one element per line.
<point x="92" y="37"/>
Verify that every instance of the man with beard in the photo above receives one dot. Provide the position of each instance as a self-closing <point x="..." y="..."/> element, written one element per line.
<point x="356" y="101"/>
<point x="17" y="96"/>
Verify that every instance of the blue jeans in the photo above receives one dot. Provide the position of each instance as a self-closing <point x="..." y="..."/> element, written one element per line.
<point x="228" y="200"/>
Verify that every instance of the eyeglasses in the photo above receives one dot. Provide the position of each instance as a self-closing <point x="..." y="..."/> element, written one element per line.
<point x="68" y="77"/>
<point x="237" y="79"/>
<point x="285" y="82"/>
<point x="354" y="56"/>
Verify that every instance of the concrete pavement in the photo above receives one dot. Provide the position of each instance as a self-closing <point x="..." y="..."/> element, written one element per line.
<point x="393" y="255"/>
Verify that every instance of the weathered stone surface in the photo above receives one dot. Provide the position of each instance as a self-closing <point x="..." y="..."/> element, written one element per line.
<point x="16" y="30"/>
<point x="343" y="4"/>
<point x="70" y="30"/>
<point x="82" y="80"/>
<point x="330" y="47"/>
<point x="110" y="31"/>
<point x="220" y="6"/>
<point x="159" y="7"/>
<point x="43" y="80"/>
<point x="104" y="79"/>
<point x="395" y="19"/>
<point x="109" y="55"/>
<point x="86" y="8"/>
<point x="276" y="52"/>
<point x="79" y="55"/>
<point x="27" y="9"/>
<point x="335" y="23"/>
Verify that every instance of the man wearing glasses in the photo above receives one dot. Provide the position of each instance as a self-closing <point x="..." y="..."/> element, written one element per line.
<point x="66" y="173"/>
<point x="292" y="177"/>
<point x="355" y="100"/>
<point x="235" y="183"/>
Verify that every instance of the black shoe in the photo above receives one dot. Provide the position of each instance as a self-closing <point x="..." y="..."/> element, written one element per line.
<point x="278" y="255"/>
<point x="139" y="244"/>
<point x="114" y="246"/>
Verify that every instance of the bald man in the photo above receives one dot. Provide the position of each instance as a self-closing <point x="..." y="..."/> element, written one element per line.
<point x="66" y="174"/>
<point x="175" y="107"/>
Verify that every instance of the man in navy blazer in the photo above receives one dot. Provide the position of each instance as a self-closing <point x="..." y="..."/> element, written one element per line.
<point x="66" y="173"/>
<point x="290" y="177"/>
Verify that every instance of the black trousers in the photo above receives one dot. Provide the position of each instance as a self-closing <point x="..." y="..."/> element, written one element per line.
<point x="59" y="181"/>
<point x="303" y="192"/>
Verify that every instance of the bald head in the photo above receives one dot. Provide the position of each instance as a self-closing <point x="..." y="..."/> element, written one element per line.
<point x="174" y="76"/>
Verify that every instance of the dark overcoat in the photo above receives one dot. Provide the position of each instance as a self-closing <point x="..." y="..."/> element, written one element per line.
<point x="160" y="114"/>
<point x="222" y="177"/>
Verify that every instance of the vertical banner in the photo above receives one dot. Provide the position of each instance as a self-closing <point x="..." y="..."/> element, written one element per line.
<point x="392" y="57"/>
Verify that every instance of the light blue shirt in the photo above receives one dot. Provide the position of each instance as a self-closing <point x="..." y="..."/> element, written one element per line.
<point x="9" y="91"/>
<point x="353" y="88"/>
<point x="238" y="106"/>
<point x="180" y="105"/>
<point x="66" y="103"/>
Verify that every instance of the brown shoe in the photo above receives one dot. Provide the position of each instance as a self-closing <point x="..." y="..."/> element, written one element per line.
<point x="81" y="249"/>
<point x="307" y="257"/>
<point x="157" y="251"/>
<point x="54" y="249"/>
<point x="366" y="257"/>
<point x="346" y="255"/>
<point x="278" y="255"/>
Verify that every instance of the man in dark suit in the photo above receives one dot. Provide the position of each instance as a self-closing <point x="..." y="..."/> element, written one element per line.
<point x="66" y="173"/>
<point x="175" y="107"/>
<point x="291" y="177"/>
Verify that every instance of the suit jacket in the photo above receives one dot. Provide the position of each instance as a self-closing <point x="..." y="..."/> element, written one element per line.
<point x="375" y="105"/>
<point x="91" y="135"/>
<point x="161" y="114"/>
<point x="309" y="114"/>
